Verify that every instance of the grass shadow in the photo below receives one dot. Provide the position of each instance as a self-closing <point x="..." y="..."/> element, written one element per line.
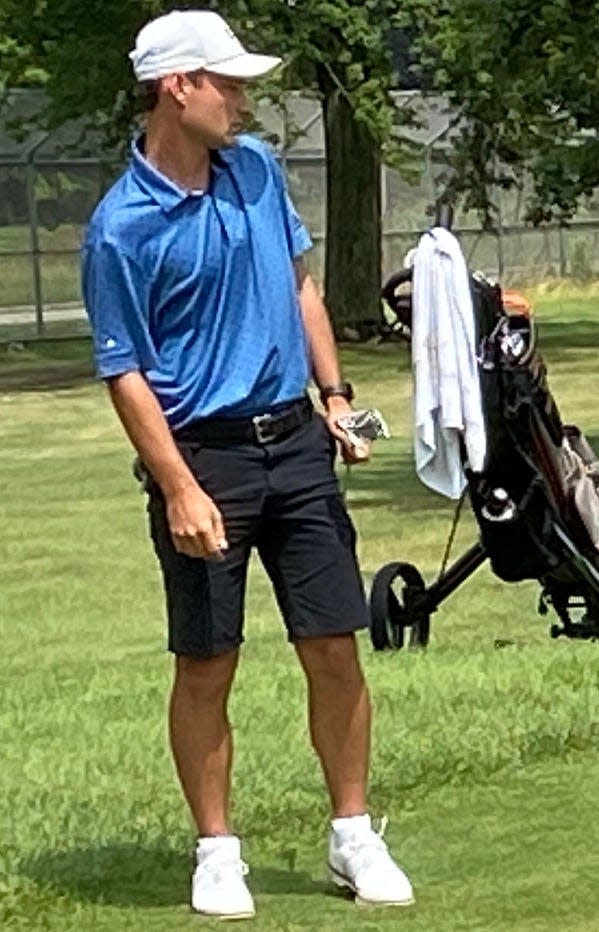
<point x="59" y="378"/>
<point x="593" y="440"/>
<point x="128" y="875"/>
<point x="390" y="480"/>
<point x="280" y="882"/>
<point x="554" y="335"/>
<point x="117" y="874"/>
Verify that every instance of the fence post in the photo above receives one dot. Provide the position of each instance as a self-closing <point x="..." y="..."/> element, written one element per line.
<point x="562" y="252"/>
<point x="33" y="233"/>
<point x="500" y="255"/>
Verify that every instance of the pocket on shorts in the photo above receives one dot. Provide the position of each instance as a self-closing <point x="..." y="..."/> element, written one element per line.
<point x="342" y="523"/>
<point x="329" y="442"/>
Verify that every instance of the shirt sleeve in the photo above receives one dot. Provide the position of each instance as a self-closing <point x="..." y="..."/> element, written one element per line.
<point x="297" y="235"/>
<point x="116" y="295"/>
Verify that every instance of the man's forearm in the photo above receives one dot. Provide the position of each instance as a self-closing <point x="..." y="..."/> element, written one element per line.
<point x="321" y="339"/>
<point x="146" y="427"/>
<point x="325" y="363"/>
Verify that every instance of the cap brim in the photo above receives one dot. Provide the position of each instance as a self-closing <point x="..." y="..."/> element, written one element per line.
<point x="246" y="66"/>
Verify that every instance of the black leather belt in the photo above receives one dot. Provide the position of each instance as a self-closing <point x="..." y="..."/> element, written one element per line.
<point x="261" y="429"/>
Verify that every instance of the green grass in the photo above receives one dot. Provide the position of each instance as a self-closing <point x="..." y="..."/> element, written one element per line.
<point x="65" y="236"/>
<point x="60" y="275"/>
<point x="42" y="354"/>
<point x="60" y="280"/>
<point x="486" y="760"/>
<point x="527" y="255"/>
<point x="42" y="364"/>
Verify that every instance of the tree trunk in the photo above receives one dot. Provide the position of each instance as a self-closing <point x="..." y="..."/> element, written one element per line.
<point x="353" y="259"/>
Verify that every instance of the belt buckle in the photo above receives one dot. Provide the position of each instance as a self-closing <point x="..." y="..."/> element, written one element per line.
<point x="261" y="423"/>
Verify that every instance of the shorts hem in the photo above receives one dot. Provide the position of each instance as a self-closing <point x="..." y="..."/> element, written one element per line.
<point x="304" y="635"/>
<point x="216" y="650"/>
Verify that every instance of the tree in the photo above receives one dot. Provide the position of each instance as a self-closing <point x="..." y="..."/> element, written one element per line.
<point x="341" y="50"/>
<point x="522" y="77"/>
<point x="18" y="67"/>
<point x="337" y="49"/>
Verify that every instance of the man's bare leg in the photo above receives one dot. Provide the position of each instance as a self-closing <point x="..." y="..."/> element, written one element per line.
<point x="339" y="712"/>
<point x="201" y="737"/>
<point x="340" y="727"/>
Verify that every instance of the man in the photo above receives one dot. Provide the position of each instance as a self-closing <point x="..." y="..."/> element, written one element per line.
<point x="206" y="328"/>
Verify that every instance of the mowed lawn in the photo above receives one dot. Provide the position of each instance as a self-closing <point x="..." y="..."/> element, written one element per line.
<point x="486" y="760"/>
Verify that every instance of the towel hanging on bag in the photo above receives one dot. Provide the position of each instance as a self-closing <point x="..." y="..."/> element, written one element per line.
<point x="447" y="399"/>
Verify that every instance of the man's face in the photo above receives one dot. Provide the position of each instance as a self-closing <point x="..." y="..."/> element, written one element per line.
<point x="216" y="108"/>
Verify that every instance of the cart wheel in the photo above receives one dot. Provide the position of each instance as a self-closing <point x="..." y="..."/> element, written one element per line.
<point x="390" y="615"/>
<point x="420" y="630"/>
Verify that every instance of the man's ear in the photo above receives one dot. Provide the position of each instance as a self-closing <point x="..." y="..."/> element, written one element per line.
<point x="178" y="87"/>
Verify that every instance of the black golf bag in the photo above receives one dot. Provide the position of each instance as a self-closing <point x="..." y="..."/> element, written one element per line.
<point x="536" y="501"/>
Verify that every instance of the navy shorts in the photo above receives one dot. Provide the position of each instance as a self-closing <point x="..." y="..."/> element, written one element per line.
<point x="282" y="498"/>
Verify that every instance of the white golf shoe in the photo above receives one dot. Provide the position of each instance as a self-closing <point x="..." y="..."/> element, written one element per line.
<point x="359" y="860"/>
<point x="218" y="888"/>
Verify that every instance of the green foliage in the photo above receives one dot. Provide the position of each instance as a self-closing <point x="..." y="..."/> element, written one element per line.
<point x="523" y="79"/>
<point x="82" y="51"/>
<point x="332" y="48"/>
<point x="521" y="76"/>
<point x="17" y="63"/>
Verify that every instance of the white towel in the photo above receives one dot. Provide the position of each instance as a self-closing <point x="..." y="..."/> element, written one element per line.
<point x="447" y="401"/>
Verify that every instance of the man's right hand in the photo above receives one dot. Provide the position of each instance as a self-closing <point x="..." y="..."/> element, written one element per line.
<point x="195" y="524"/>
<point x="194" y="520"/>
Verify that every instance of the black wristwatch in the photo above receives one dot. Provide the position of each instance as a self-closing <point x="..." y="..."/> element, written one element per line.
<point x="342" y="389"/>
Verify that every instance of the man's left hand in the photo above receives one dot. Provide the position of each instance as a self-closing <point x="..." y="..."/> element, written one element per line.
<point x="337" y="407"/>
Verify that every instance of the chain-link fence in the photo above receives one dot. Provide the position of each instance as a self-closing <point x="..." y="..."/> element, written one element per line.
<point x="47" y="196"/>
<point x="43" y="210"/>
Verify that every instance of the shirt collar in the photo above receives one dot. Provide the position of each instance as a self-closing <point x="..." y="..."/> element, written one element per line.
<point x="167" y="193"/>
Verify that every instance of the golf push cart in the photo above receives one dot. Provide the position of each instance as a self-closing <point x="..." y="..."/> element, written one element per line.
<point x="536" y="502"/>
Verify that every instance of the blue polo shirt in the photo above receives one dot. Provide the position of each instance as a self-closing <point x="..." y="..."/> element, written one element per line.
<point x="197" y="290"/>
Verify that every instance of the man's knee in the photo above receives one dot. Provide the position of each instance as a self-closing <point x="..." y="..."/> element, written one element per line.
<point x="206" y="679"/>
<point x="331" y="657"/>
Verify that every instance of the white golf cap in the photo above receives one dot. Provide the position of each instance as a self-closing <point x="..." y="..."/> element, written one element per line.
<point x="187" y="40"/>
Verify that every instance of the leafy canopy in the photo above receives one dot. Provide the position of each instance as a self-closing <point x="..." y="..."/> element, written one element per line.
<point x="79" y="52"/>
<point x="523" y="77"/>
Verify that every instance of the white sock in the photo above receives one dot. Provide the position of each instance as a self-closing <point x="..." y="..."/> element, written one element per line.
<point x="351" y="825"/>
<point x="221" y="843"/>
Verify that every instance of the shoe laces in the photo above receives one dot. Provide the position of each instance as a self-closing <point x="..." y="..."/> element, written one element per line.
<point x="221" y="868"/>
<point x="362" y="850"/>
<point x="375" y="838"/>
<point x="383" y="826"/>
